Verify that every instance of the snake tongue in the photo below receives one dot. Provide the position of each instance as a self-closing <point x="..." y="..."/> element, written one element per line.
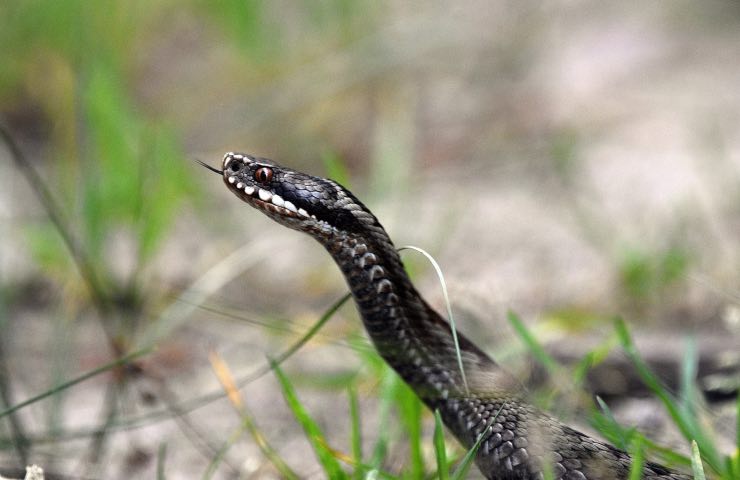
<point x="214" y="170"/>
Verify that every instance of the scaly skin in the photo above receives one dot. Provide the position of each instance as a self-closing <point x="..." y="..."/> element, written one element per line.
<point x="519" y="440"/>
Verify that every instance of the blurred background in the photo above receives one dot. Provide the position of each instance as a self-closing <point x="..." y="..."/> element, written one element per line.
<point x="569" y="161"/>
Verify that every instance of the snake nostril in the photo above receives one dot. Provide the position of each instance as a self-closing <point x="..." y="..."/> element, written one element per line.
<point x="235" y="166"/>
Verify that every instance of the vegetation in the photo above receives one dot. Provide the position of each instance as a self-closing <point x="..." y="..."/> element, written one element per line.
<point x="105" y="156"/>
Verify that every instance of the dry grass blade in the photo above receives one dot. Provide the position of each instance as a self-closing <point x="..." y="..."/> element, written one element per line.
<point x="223" y="373"/>
<point x="450" y="317"/>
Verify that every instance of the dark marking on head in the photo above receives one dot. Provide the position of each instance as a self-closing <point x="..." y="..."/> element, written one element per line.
<point x="293" y="198"/>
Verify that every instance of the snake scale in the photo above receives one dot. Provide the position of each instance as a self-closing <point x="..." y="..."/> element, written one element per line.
<point x="519" y="441"/>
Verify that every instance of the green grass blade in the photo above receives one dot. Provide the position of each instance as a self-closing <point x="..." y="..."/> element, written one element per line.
<point x="80" y="256"/>
<point x="689" y="429"/>
<point x="220" y="455"/>
<point x="336" y="168"/>
<point x="310" y="427"/>
<point x="637" y="451"/>
<point x="410" y="409"/>
<point x="621" y="437"/>
<point x="267" y="450"/>
<point x="86" y="376"/>
<point x="696" y="465"/>
<point x="16" y="427"/>
<point x="387" y="385"/>
<point x="615" y="429"/>
<point x="534" y="346"/>
<point x="305" y="338"/>
<point x="356" y="432"/>
<point x="689" y="367"/>
<point x="593" y="358"/>
<point x="737" y="430"/>
<point x="733" y="460"/>
<point x="547" y="473"/>
<point x="192" y="404"/>
<point x="439" y="448"/>
<point x="462" y="470"/>
<point x="249" y="423"/>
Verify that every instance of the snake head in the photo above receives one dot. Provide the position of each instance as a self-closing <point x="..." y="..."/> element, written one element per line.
<point x="294" y="199"/>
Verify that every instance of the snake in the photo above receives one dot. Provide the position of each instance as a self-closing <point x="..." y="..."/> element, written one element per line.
<point x="479" y="402"/>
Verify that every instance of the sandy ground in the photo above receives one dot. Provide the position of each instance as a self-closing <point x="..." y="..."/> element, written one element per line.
<point x="530" y="149"/>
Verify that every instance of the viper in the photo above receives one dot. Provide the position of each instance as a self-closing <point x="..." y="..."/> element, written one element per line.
<point x="479" y="402"/>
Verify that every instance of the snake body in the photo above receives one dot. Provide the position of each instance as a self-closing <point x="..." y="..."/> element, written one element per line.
<point x="518" y="440"/>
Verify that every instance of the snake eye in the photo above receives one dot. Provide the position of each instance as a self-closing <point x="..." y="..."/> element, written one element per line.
<point x="263" y="175"/>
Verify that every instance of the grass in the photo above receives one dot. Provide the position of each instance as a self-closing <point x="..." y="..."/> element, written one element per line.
<point x="398" y="402"/>
<point x="647" y="274"/>
<point x="116" y="168"/>
<point x="115" y="171"/>
<point x="682" y="409"/>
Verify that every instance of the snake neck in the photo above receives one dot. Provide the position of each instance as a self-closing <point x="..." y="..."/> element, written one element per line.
<point x="407" y="332"/>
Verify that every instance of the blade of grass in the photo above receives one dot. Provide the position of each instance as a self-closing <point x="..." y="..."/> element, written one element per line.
<point x="200" y="439"/>
<point x="101" y="441"/>
<point x="17" y="429"/>
<point x="547" y="473"/>
<point x="689" y="395"/>
<point x="637" y="451"/>
<point x="593" y="358"/>
<point x="621" y="436"/>
<point x="59" y="348"/>
<point x="220" y="455"/>
<point x="191" y="404"/>
<point x="410" y="410"/>
<point x="336" y="168"/>
<point x="439" y="448"/>
<point x="80" y="257"/>
<point x="226" y="379"/>
<point x="696" y="465"/>
<point x="380" y="449"/>
<point x="614" y="427"/>
<point x="533" y="345"/>
<point x="356" y="430"/>
<point x="450" y="316"/>
<point x="277" y="361"/>
<point x="689" y="429"/>
<point x="86" y="376"/>
<point x="347" y="459"/>
<point x="734" y="459"/>
<point x="313" y="433"/>
<point x="214" y="279"/>
<point x="338" y="454"/>
<point x="689" y="367"/>
<point x="223" y="373"/>
<point x="462" y="470"/>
